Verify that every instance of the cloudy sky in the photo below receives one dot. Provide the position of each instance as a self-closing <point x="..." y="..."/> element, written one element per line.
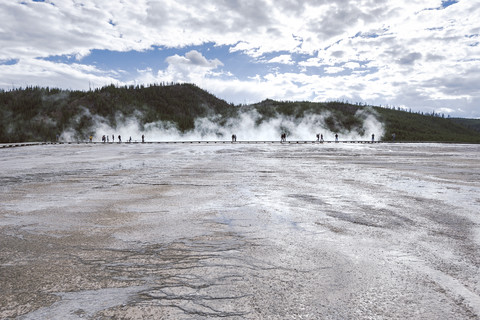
<point x="423" y="55"/>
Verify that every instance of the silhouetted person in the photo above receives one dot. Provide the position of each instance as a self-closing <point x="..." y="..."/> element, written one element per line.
<point x="318" y="137"/>
<point x="373" y="137"/>
<point x="143" y="138"/>
<point x="119" y="139"/>
<point x="113" y="138"/>
<point x="321" y="137"/>
<point x="336" y="137"/>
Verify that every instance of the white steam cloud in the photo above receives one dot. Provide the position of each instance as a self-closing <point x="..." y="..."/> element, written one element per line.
<point x="247" y="127"/>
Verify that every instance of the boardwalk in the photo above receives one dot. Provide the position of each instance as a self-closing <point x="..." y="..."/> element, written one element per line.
<point x="25" y="144"/>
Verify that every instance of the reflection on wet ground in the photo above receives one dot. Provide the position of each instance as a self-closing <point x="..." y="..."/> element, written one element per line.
<point x="240" y="231"/>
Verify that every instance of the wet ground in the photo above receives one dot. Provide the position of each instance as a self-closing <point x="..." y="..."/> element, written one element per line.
<point x="236" y="231"/>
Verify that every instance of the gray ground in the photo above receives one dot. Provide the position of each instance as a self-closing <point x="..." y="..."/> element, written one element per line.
<point x="337" y="231"/>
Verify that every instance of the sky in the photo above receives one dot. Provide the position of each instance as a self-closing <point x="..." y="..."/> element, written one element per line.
<point x="418" y="55"/>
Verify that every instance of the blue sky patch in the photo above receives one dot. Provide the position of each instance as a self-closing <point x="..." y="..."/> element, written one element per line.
<point x="9" y="62"/>
<point x="447" y="3"/>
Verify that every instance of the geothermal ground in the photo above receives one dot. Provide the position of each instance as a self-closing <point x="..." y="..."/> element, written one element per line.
<point x="239" y="231"/>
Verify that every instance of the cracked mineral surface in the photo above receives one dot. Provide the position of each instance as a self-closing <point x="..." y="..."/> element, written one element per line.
<point x="240" y="231"/>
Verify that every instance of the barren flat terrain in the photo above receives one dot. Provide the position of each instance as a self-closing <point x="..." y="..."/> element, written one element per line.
<point x="239" y="231"/>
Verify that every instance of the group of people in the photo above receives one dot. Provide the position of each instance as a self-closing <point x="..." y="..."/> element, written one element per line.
<point x="283" y="138"/>
<point x="105" y="138"/>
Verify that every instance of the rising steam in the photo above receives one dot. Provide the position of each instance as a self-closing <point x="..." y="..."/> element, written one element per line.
<point x="248" y="126"/>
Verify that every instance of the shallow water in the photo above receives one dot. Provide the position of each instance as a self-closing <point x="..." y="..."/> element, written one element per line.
<point x="240" y="231"/>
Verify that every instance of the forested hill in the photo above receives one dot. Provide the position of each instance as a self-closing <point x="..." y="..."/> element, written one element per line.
<point x="473" y="124"/>
<point x="41" y="114"/>
<point x="34" y="114"/>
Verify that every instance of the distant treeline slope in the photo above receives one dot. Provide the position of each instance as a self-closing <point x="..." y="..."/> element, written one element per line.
<point x="409" y="126"/>
<point x="473" y="124"/>
<point x="41" y="114"/>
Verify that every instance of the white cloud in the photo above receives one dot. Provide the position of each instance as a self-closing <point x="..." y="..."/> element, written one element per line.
<point x="352" y="65"/>
<point x="193" y="59"/>
<point x="192" y="67"/>
<point x="33" y="72"/>
<point x="331" y="70"/>
<point x="283" y="59"/>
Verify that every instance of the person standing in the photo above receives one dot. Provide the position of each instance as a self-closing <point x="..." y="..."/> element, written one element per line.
<point x="336" y="137"/>
<point x="119" y="139"/>
<point x="143" y="138"/>
<point x="373" y="137"/>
